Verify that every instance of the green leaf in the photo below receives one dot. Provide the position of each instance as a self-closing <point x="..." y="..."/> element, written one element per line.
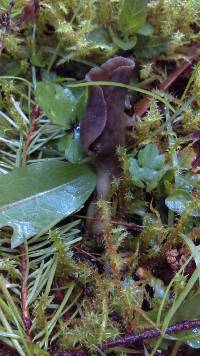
<point x="187" y="181"/>
<point x="194" y="339"/>
<point x="150" y="157"/>
<point x="178" y="201"/>
<point x="189" y="311"/>
<point x="150" y="47"/>
<point x="149" y="168"/>
<point x="56" y="102"/>
<point x="99" y="37"/>
<point x="81" y="101"/>
<point x="40" y="58"/>
<point x="122" y="43"/>
<point x="136" y="173"/>
<point x="132" y="16"/>
<point x="35" y="198"/>
<point x="73" y="150"/>
<point x="146" y="30"/>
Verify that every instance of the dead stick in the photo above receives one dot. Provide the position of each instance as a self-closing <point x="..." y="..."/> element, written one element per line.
<point x="150" y="334"/>
<point x="130" y="340"/>
<point x="143" y="104"/>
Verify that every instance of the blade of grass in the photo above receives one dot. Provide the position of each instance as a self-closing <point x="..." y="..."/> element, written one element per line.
<point x="51" y="277"/>
<point x="33" y="290"/>
<point x="158" y="321"/>
<point x="8" y="328"/>
<point x="176" y="303"/>
<point x="125" y="86"/>
<point x="187" y="88"/>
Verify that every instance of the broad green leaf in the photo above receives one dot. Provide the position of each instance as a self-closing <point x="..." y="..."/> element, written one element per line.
<point x="99" y="37"/>
<point x="150" y="47"/>
<point x="56" y="102"/>
<point x="180" y="200"/>
<point x="35" y="198"/>
<point x="189" y="311"/>
<point x="132" y="16"/>
<point x="187" y="181"/>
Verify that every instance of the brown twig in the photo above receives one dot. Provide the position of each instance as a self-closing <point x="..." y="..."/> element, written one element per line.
<point x="24" y="292"/>
<point x="87" y="254"/>
<point x="130" y="340"/>
<point x="129" y="226"/>
<point x="143" y="104"/>
<point x="150" y="334"/>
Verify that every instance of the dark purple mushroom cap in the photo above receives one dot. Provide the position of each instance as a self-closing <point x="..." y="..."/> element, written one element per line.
<point x="103" y="127"/>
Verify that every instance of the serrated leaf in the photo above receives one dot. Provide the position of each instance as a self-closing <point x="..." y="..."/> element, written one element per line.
<point x="149" y="168"/>
<point x="150" y="157"/>
<point x="35" y="198"/>
<point x="152" y="183"/>
<point x="132" y="16"/>
<point x="136" y="173"/>
<point x="56" y="102"/>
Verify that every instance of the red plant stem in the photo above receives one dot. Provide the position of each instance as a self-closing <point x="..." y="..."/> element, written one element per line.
<point x="143" y="104"/>
<point x="23" y="263"/>
<point x="33" y="127"/>
<point x="24" y="292"/>
<point x="129" y="226"/>
<point x="85" y="253"/>
<point x="35" y="114"/>
<point x="29" y="12"/>
<point x="149" y="334"/>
